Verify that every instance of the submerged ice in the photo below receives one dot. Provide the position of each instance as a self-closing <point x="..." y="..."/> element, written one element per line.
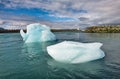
<point x="37" y="33"/>
<point x="75" y="52"/>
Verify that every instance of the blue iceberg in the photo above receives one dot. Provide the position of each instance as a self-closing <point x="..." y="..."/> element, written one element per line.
<point x="37" y="33"/>
<point x="75" y="52"/>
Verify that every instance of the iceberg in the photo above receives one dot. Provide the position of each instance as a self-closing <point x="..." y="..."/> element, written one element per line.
<point x="75" y="52"/>
<point x="37" y="33"/>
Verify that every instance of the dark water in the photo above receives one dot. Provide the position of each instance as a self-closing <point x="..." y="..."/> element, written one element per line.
<point x="31" y="61"/>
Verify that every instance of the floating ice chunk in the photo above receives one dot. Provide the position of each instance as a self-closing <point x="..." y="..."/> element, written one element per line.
<point x="75" y="52"/>
<point x="37" y="33"/>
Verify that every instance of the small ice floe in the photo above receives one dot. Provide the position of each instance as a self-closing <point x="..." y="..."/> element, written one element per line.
<point x="37" y="33"/>
<point x="75" y="52"/>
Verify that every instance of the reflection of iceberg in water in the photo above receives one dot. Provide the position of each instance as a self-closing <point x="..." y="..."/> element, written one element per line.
<point x="71" y="71"/>
<point x="32" y="50"/>
<point x="74" y="52"/>
<point x="35" y="58"/>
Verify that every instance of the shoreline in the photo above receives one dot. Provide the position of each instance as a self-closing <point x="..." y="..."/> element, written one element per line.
<point x="53" y="30"/>
<point x="93" y="29"/>
<point x="60" y="30"/>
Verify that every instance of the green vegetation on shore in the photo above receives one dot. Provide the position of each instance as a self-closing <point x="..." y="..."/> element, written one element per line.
<point x="104" y="29"/>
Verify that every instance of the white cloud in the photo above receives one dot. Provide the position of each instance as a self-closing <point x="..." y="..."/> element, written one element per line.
<point x="98" y="11"/>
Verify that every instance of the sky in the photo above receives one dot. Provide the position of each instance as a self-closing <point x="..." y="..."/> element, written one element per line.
<point x="59" y="13"/>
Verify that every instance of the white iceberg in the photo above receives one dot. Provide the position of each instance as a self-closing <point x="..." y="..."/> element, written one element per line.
<point x="37" y="33"/>
<point x="75" y="52"/>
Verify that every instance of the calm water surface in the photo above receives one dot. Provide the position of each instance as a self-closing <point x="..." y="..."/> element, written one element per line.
<point x="31" y="61"/>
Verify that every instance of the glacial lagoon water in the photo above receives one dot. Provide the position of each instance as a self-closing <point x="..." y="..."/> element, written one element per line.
<point x="31" y="61"/>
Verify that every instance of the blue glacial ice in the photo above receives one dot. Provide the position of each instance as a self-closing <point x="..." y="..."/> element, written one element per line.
<point x="75" y="52"/>
<point x="37" y="33"/>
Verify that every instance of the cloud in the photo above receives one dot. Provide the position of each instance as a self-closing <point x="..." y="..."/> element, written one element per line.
<point x="89" y="12"/>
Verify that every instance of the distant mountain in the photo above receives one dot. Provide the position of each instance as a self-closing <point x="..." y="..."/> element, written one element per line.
<point x="1" y="28"/>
